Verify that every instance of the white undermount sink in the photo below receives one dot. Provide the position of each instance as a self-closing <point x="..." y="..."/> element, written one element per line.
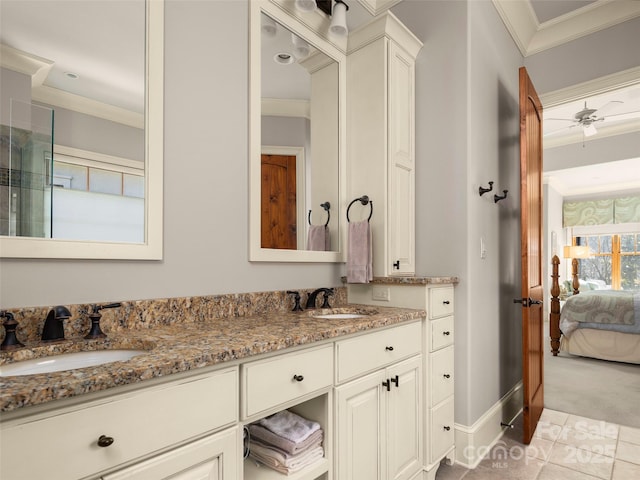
<point x="66" y="361"/>
<point x="339" y="315"/>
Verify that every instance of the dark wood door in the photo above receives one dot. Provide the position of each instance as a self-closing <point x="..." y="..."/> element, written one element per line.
<point x="278" y="202"/>
<point x="531" y="251"/>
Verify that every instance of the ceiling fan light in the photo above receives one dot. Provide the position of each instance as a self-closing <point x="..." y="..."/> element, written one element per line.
<point x="589" y="130"/>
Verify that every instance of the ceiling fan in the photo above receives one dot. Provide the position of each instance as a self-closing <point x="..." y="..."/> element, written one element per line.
<point x="588" y="117"/>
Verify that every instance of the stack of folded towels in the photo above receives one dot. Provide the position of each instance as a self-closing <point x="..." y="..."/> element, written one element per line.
<point x="286" y="442"/>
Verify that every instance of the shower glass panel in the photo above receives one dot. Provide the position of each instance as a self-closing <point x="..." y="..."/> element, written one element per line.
<point x="25" y="171"/>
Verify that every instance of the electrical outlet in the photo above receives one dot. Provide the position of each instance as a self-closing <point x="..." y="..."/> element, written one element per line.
<point x="381" y="293"/>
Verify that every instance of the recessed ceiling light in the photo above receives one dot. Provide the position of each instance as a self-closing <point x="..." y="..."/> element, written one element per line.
<point x="72" y="76"/>
<point x="283" y="58"/>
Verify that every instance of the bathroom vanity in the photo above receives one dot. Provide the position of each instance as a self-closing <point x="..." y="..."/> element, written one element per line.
<point x="178" y="409"/>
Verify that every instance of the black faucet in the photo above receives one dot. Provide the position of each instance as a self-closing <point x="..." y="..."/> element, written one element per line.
<point x="53" y="327"/>
<point x="311" y="298"/>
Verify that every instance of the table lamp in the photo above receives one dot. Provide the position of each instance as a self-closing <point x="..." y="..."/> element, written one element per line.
<point x="575" y="252"/>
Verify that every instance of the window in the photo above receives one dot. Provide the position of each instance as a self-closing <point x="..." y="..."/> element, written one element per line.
<point x="615" y="259"/>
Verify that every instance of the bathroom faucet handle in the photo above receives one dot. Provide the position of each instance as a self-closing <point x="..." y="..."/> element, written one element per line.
<point x="97" y="308"/>
<point x="296" y="299"/>
<point x="10" y="341"/>
<point x="95" y="316"/>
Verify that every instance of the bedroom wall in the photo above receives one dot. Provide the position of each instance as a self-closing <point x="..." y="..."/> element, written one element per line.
<point x="552" y="222"/>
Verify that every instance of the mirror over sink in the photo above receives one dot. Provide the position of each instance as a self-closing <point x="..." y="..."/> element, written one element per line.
<point x="297" y="94"/>
<point x="81" y="175"/>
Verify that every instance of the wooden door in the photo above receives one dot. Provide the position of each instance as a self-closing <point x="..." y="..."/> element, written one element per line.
<point x="278" y="202"/>
<point x="531" y="252"/>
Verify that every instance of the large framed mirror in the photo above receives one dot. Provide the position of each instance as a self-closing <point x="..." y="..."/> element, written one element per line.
<point x="81" y="129"/>
<point x="297" y="131"/>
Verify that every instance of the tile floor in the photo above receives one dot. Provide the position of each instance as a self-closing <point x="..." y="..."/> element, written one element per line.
<point x="564" y="447"/>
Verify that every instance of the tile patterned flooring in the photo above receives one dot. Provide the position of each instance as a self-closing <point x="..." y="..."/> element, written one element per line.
<point x="564" y="447"/>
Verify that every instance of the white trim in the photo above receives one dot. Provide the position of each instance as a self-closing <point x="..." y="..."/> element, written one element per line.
<point x="473" y="442"/>
<point x="376" y="7"/>
<point x="597" y="86"/>
<point x="88" y="158"/>
<point x="533" y="37"/>
<point x="283" y="107"/>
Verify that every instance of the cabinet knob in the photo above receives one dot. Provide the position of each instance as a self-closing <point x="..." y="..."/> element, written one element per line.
<point x="446" y="375"/>
<point x="104" y="441"/>
<point x="387" y="384"/>
<point x="447" y="428"/>
<point x="446" y="302"/>
<point x="446" y="332"/>
<point x="395" y="380"/>
<point x="389" y="349"/>
<point x="396" y="264"/>
<point x="298" y="378"/>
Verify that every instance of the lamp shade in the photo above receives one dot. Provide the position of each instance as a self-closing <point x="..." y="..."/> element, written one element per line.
<point x="576" y="251"/>
<point x="339" y="19"/>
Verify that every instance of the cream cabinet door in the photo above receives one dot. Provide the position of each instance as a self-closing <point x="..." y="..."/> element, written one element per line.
<point x="361" y="434"/>
<point x="404" y="419"/>
<point x="212" y="458"/>
<point x="401" y="166"/>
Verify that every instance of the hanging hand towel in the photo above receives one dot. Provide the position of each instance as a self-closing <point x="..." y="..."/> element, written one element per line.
<point x="318" y="238"/>
<point x="359" y="253"/>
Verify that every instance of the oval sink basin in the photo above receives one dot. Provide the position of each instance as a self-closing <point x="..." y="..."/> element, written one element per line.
<point x="66" y="361"/>
<point x="339" y="315"/>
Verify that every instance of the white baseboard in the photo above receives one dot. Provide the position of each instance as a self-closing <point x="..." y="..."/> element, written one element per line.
<point x="473" y="442"/>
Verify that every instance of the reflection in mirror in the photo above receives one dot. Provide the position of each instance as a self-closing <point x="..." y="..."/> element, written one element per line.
<point x="299" y="137"/>
<point x="96" y="190"/>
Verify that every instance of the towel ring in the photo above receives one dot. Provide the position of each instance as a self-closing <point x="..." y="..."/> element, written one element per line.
<point x="364" y="200"/>
<point x="327" y="208"/>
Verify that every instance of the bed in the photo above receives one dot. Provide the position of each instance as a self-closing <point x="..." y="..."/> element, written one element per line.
<point x="603" y="324"/>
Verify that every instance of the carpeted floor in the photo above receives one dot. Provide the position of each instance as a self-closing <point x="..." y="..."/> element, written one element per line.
<point x="597" y="389"/>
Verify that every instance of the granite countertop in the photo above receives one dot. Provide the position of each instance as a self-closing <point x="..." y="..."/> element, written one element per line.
<point x="182" y="347"/>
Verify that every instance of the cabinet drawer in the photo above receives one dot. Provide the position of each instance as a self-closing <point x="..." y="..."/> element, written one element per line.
<point x="441" y="333"/>
<point x="371" y="351"/>
<point x="271" y="382"/>
<point x="441" y="378"/>
<point x="440" y="302"/>
<point x="442" y="432"/>
<point x="139" y="422"/>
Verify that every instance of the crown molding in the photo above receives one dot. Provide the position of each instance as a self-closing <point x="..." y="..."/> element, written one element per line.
<point x="376" y="7"/>
<point x="533" y="37"/>
<point x="282" y="107"/>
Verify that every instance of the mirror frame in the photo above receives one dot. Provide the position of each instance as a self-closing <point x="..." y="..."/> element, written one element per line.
<point x="151" y="249"/>
<point x="306" y="26"/>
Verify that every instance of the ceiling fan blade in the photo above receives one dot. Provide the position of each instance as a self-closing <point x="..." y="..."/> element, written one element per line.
<point x="561" y="119"/>
<point x="625" y="115"/>
<point x="611" y="106"/>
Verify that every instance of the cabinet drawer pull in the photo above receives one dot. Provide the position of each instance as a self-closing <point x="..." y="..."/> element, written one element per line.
<point x="446" y="375"/>
<point x="389" y="349"/>
<point x="446" y="332"/>
<point x="446" y="302"/>
<point x="395" y="380"/>
<point x="387" y="384"/>
<point x="396" y="264"/>
<point x="298" y="378"/>
<point x="447" y="428"/>
<point x="104" y="441"/>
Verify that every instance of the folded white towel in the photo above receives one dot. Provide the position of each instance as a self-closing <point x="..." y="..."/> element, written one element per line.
<point x="267" y="437"/>
<point x="318" y="238"/>
<point x="277" y="457"/>
<point x="359" y="253"/>
<point x="298" y="464"/>
<point x="290" y="426"/>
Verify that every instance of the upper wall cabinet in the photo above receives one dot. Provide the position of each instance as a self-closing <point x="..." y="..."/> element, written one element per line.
<point x="381" y="137"/>
<point x="297" y="131"/>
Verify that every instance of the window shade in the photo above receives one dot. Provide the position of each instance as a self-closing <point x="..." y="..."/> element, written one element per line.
<point x="601" y="212"/>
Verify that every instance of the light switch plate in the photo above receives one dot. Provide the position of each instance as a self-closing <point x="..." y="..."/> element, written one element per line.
<point x="382" y="294"/>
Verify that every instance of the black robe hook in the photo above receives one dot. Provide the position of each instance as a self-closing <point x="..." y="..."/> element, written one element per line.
<point x="483" y="190"/>
<point x="497" y="198"/>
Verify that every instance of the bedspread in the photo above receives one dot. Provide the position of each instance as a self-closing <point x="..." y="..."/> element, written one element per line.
<point x="617" y="310"/>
